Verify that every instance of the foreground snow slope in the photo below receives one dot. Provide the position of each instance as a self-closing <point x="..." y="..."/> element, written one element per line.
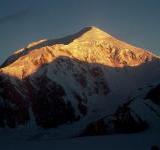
<point x="140" y="141"/>
<point x="88" y="83"/>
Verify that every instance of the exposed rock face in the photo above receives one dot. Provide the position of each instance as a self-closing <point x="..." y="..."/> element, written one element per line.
<point x="124" y="120"/>
<point x="57" y="92"/>
<point x="61" y="81"/>
<point x="154" y="95"/>
<point x="89" y="45"/>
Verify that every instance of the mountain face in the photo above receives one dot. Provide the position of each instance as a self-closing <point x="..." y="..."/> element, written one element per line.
<point x="89" y="78"/>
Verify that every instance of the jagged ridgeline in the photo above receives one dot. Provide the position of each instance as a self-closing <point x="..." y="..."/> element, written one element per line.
<point x="89" y="78"/>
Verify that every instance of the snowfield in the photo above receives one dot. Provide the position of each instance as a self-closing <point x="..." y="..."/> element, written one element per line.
<point x="55" y="93"/>
<point x="22" y="140"/>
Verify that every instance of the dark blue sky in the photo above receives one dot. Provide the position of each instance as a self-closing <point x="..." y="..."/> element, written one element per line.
<point x="23" y="21"/>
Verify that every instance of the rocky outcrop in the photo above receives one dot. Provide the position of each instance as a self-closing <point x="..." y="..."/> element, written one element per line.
<point x="61" y="81"/>
<point x="124" y="120"/>
<point x="154" y="95"/>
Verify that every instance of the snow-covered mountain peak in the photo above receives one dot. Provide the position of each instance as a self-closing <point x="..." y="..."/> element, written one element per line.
<point x="60" y="81"/>
<point x="90" y="45"/>
<point x="93" y="33"/>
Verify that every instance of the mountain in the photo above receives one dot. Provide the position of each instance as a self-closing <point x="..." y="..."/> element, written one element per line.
<point x="89" y="80"/>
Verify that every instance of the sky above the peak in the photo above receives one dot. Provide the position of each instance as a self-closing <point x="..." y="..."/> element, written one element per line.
<point x="23" y="21"/>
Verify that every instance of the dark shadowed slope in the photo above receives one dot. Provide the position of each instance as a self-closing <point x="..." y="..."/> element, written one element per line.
<point x="66" y="90"/>
<point x="79" y="82"/>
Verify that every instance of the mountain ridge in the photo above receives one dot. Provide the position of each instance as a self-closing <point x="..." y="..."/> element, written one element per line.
<point x="90" y="45"/>
<point x="77" y="81"/>
<point x="92" y="35"/>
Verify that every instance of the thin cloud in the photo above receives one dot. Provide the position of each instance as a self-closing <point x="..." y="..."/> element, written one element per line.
<point x="16" y="16"/>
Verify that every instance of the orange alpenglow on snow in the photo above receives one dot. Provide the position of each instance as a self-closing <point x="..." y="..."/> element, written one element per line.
<point x="85" y="77"/>
<point x="90" y="45"/>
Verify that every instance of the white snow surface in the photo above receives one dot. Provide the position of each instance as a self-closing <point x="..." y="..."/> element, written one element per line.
<point x="123" y="84"/>
<point x="22" y="140"/>
<point x="64" y="137"/>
